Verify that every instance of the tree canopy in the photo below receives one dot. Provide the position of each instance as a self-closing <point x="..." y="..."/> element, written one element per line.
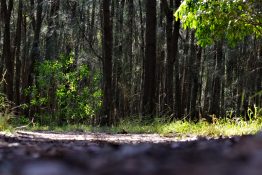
<point x="232" y="20"/>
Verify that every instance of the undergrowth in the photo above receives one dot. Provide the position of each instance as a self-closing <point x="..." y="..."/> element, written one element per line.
<point x="6" y="113"/>
<point x="222" y="127"/>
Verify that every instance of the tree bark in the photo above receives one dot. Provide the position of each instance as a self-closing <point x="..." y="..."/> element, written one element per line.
<point x="216" y="86"/>
<point x="196" y="86"/>
<point x="17" y="50"/>
<point x="7" y="54"/>
<point x="52" y="35"/>
<point x="148" y="109"/>
<point x="178" y="106"/>
<point x="35" y="51"/>
<point x="107" y="65"/>
<point x="169" y="98"/>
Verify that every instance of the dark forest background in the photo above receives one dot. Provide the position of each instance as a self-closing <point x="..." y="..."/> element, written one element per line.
<point x="98" y="61"/>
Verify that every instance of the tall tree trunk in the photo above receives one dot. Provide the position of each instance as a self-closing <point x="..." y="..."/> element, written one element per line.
<point x="91" y="31"/>
<point x="7" y="54"/>
<point x="16" y="52"/>
<point x="35" y="51"/>
<point x="169" y="98"/>
<point x="142" y="51"/>
<point x="191" y="75"/>
<point x="196" y="86"/>
<point x="1" y="46"/>
<point x="129" y="57"/>
<point x="52" y="35"/>
<point x="118" y="84"/>
<point x="178" y="106"/>
<point x="150" y="60"/>
<point x="186" y="81"/>
<point x="216" y="86"/>
<point x="24" y="60"/>
<point x="107" y="64"/>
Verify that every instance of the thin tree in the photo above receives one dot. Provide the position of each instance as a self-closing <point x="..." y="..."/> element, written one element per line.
<point x="178" y="109"/>
<point x="17" y="51"/>
<point x="107" y="64"/>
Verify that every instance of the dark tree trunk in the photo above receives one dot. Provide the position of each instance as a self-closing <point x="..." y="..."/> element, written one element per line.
<point x="1" y="46"/>
<point x="150" y="60"/>
<point x="52" y="35"/>
<point x="16" y="52"/>
<point x="178" y="106"/>
<point x="196" y="86"/>
<point x="216" y="86"/>
<point x="142" y="52"/>
<point x="192" y="73"/>
<point x="35" y="51"/>
<point x="186" y="81"/>
<point x="7" y="54"/>
<point x="169" y="98"/>
<point x="24" y="60"/>
<point x="91" y="31"/>
<point x="118" y="84"/>
<point x="39" y="20"/>
<point x="129" y="58"/>
<point x="107" y="64"/>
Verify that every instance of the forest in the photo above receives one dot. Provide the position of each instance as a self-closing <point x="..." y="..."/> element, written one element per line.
<point x="142" y="87"/>
<point x="98" y="62"/>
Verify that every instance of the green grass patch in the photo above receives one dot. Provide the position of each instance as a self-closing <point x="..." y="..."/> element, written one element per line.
<point x="222" y="127"/>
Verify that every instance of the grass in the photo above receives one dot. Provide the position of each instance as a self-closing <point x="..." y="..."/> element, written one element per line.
<point x="222" y="127"/>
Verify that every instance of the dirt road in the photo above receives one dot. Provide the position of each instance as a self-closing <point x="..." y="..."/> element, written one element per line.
<point x="46" y="153"/>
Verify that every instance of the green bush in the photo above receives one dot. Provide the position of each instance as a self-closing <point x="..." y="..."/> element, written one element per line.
<point x="6" y="112"/>
<point x="65" y="93"/>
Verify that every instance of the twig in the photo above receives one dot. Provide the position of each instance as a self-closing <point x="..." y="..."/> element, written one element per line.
<point x="3" y="77"/>
<point x="25" y="126"/>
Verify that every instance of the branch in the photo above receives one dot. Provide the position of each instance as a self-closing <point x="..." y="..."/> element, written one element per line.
<point x="3" y="77"/>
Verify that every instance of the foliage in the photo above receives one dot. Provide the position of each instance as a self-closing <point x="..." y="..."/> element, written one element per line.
<point x="215" y="20"/>
<point x="6" y="112"/>
<point x="65" y="91"/>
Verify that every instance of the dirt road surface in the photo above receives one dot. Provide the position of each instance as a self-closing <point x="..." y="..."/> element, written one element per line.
<point x="48" y="153"/>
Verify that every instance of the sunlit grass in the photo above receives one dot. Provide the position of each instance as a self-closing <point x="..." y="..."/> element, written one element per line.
<point x="222" y="127"/>
<point x="182" y="128"/>
<point x="160" y="125"/>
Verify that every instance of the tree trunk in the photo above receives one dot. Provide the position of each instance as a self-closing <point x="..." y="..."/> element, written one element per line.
<point x="178" y="107"/>
<point x="52" y="35"/>
<point x="169" y="98"/>
<point x="16" y="52"/>
<point x="107" y="65"/>
<point x="35" y="52"/>
<point x="1" y="46"/>
<point x="196" y="86"/>
<point x="129" y="56"/>
<point x="118" y="74"/>
<point x="150" y="60"/>
<point x="216" y="86"/>
<point x="7" y="54"/>
<point x="142" y="52"/>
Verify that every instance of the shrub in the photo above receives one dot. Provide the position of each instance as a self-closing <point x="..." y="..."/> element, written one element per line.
<point x="65" y="93"/>
<point x="6" y="112"/>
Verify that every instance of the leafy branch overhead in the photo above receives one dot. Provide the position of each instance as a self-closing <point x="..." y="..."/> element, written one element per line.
<point x="232" y="20"/>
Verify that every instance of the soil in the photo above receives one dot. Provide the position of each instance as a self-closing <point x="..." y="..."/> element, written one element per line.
<point x="47" y="153"/>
